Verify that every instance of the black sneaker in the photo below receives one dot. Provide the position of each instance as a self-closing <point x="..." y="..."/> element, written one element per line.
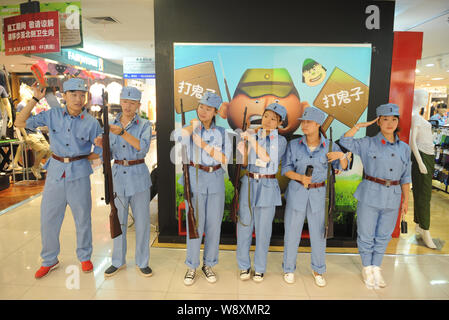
<point x="209" y="273"/>
<point x="145" y="272"/>
<point x="112" y="271"/>
<point x="189" y="277"/>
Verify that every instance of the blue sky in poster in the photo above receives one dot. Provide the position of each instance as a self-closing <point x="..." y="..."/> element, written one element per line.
<point x="353" y="59"/>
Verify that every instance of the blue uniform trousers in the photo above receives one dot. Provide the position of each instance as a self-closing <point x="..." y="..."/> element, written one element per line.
<point x="140" y="206"/>
<point x="57" y="194"/>
<point x="293" y="223"/>
<point x="209" y="216"/>
<point x="261" y="221"/>
<point x="374" y="229"/>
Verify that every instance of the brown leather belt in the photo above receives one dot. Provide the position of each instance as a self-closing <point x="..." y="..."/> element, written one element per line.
<point x="260" y="176"/>
<point x="382" y="181"/>
<point x="206" y="168"/>
<point x="314" y="185"/>
<point x="127" y="163"/>
<point x="67" y="160"/>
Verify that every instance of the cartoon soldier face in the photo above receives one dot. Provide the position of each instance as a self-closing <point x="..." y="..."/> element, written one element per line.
<point x="257" y="89"/>
<point x="313" y="73"/>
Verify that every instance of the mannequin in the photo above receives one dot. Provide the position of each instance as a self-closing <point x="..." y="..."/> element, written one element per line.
<point x="423" y="162"/>
<point x="5" y="110"/>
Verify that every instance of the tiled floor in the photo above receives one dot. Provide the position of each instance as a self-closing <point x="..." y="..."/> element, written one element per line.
<point x="413" y="272"/>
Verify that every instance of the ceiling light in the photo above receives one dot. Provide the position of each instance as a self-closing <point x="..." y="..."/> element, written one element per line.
<point x="430" y="65"/>
<point x="428" y="84"/>
<point x="437" y="78"/>
<point x="417" y="71"/>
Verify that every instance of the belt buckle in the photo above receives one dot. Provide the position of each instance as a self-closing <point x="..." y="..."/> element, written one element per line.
<point x="211" y="169"/>
<point x="66" y="160"/>
<point x="256" y="175"/>
<point x="125" y="163"/>
<point x="388" y="183"/>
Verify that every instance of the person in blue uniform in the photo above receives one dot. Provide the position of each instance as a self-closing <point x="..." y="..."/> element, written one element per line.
<point x="130" y="142"/>
<point x="208" y="148"/>
<point x="306" y="194"/>
<point x="441" y="116"/>
<point x="259" y="191"/>
<point x="72" y="132"/>
<point x="387" y="176"/>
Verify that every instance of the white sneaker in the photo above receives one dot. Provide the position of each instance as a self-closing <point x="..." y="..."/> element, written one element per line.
<point x="289" y="277"/>
<point x="378" y="279"/>
<point x="245" y="274"/>
<point x="209" y="273"/>
<point x="258" y="277"/>
<point x="428" y="239"/>
<point x="368" y="277"/>
<point x="319" y="280"/>
<point x="189" y="277"/>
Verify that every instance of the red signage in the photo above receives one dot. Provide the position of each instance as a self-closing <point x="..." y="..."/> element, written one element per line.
<point x="32" y="33"/>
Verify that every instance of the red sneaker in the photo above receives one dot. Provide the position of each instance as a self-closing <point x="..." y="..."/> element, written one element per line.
<point x="87" y="266"/>
<point x="43" y="271"/>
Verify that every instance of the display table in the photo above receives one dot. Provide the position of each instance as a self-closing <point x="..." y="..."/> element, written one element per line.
<point x="8" y="156"/>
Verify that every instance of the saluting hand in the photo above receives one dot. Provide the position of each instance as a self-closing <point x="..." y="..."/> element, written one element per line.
<point x="39" y="93"/>
<point x="365" y="124"/>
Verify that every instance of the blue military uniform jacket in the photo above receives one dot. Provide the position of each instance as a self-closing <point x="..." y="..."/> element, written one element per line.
<point x="70" y="136"/>
<point x="381" y="159"/>
<point x="264" y="192"/>
<point x="129" y="180"/>
<point x="297" y="157"/>
<point x="208" y="182"/>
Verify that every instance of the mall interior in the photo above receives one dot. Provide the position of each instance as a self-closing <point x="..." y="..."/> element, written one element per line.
<point x="114" y="44"/>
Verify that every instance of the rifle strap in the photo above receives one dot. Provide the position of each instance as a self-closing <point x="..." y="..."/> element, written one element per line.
<point x="328" y="181"/>
<point x="197" y="186"/>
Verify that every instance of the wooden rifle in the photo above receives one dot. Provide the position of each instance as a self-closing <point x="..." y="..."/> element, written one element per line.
<point x="330" y="196"/>
<point x="191" y="220"/>
<point x="114" y="222"/>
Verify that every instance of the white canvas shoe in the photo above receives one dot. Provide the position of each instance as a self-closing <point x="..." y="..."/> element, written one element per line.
<point x="319" y="280"/>
<point x="368" y="277"/>
<point x="378" y="279"/>
<point x="209" y="273"/>
<point x="258" y="277"/>
<point x="189" y="277"/>
<point x="245" y="274"/>
<point x="289" y="277"/>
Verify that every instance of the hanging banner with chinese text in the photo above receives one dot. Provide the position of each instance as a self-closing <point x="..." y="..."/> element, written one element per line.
<point x="32" y="33"/>
<point x="70" y="21"/>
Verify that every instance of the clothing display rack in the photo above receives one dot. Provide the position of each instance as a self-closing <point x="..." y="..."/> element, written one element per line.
<point x="441" y="141"/>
